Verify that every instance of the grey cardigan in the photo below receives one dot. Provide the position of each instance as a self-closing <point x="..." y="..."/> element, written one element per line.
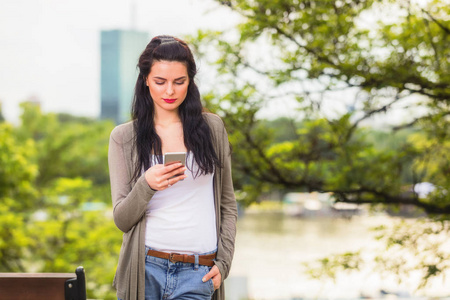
<point x="130" y="203"/>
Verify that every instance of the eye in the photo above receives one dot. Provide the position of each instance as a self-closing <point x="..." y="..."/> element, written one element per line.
<point x="159" y="82"/>
<point x="180" y="82"/>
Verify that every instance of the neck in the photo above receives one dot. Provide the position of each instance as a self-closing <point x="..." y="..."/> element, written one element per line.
<point x="165" y="118"/>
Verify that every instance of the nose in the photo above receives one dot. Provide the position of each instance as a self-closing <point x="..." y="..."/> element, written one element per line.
<point x="170" y="90"/>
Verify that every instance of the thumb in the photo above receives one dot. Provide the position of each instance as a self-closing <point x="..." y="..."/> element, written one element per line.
<point x="210" y="274"/>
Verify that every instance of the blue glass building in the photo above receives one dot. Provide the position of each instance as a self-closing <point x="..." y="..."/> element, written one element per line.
<point x="120" y="50"/>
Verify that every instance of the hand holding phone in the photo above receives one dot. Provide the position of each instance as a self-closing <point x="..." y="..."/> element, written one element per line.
<point x="175" y="157"/>
<point x="157" y="176"/>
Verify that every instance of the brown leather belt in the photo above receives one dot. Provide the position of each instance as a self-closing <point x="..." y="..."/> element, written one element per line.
<point x="205" y="260"/>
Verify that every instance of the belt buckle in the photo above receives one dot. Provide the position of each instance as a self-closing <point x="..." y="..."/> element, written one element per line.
<point x="171" y="259"/>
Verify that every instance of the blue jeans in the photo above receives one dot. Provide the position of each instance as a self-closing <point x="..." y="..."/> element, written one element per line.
<point x="167" y="280"/>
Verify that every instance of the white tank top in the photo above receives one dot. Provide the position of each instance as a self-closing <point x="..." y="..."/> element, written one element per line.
<point x="182" y="218"/>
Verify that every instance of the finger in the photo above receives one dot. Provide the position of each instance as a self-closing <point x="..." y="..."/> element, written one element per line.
<point x="171" y="181"/>
<point x="175" y="172"/>
<point x="216" y="282"/>
<point x="177" y="178"/>
<point x="171" y="167"/>
<point x="217" y="279"/>
<point x="212" y="273"/>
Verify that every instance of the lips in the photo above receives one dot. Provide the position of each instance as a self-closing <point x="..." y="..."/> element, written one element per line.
<point x="169" y="100"/>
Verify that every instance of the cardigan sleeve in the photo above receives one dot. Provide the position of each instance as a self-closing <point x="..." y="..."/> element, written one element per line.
<point x="228" y="207"/>
<point x="129" y="199"/>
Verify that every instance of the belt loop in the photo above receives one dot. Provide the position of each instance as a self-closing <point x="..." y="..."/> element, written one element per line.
<point x="196" y="262"/>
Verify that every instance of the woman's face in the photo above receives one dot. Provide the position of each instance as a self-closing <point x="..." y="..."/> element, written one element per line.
<point x="168" y="83"/>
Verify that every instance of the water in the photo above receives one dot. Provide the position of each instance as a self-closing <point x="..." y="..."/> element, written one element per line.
<point x="271" y="247"/>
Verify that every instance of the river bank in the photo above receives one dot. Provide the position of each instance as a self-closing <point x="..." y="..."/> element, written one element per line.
<point x="272" y="247"/>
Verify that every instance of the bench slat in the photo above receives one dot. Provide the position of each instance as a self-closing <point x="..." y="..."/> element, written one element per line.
<point x="33" y="286"/>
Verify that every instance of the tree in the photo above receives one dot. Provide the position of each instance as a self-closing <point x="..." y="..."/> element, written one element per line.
<point x="344" y="67"/>
<point x="54" y="198"/>
<point x="17" y="195"/>
<point x="60" y="152"/>
<point x="2" y="118"/>
<point x="311" y="51"/>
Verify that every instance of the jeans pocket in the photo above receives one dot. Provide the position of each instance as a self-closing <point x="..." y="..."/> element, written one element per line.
<point x="209" y="282"/>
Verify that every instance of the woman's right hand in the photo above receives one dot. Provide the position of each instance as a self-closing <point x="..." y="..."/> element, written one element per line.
<point x="159" y="176"/>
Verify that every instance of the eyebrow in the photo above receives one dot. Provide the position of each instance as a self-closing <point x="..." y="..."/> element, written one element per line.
<point x="161" y="78"/>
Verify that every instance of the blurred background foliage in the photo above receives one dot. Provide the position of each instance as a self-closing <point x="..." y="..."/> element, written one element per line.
<point x="55" y="198"/>
<point x="55" y="209"/>
<point x="370" y="80"/>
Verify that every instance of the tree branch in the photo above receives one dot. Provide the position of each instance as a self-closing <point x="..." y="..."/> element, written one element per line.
<point x="388" y="199"/>
<point x="308" y="49"/>
<point x="446" y="30"/>
<point x="384" y="108"/>
<point x="416" y="120"/>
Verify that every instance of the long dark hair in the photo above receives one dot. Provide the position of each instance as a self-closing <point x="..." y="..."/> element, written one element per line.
<point x="197" y="134"/>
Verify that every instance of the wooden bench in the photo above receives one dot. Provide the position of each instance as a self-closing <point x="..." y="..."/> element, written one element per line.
<point x="43" y="286"/>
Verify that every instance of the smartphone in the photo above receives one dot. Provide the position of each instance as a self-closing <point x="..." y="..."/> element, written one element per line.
<point x="175" y="157"/>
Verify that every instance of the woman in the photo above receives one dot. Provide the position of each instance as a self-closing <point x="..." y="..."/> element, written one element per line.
<point x="179" y="222"/>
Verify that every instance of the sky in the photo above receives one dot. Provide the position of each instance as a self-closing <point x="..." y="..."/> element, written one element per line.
<point x="50" y="49"/>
